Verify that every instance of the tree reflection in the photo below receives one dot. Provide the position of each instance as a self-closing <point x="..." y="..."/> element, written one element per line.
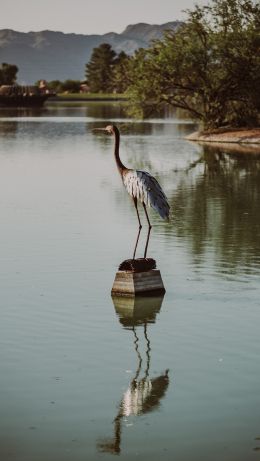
<point x="8" y="128"/>
<point x="104" y="110"/>
<point x="217" y="204"/>
<point x="143" y="394"/>
<point x="23" y="111"/>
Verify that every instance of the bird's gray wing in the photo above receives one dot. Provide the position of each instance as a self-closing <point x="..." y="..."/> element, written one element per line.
<point x="143" y="186"/>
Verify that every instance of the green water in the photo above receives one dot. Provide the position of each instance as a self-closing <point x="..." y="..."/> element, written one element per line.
<point x="85" y="377"/>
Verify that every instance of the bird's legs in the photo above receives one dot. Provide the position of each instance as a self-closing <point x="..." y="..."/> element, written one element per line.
<point x="149" y="230"/>
<point x="137" y="240"/>
<point x="147" y="217"/>
<point x="139" y="220"/>
<point x="140" y="226"/>
<point x="147" y="241"/>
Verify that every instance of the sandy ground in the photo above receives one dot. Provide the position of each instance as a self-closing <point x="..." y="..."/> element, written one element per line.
<point x="246" y="136"/>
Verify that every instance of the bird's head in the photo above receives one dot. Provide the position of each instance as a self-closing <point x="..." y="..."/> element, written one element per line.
<point x="109" y="129"/>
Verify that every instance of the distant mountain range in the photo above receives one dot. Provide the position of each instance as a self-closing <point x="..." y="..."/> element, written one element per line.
<point x="56" y="55"/>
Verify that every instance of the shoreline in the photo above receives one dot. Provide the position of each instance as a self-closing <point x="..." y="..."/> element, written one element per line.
<point x="86" y="98"/>
<point x="238" y="136"/>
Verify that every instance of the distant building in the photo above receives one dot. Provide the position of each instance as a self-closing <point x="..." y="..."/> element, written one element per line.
<point x="43" y="87"/>
<point x="84" y="87"/>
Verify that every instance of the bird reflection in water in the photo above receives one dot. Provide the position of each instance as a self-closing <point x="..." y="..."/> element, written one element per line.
<point x="144" y="394"/>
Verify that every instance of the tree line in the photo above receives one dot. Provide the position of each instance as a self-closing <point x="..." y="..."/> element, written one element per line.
<point x="8" y="73"/>
<point x="209" y="67"/>
<point x="105" y="73"/>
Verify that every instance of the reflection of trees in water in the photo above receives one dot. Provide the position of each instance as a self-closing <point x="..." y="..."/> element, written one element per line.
<point x="8" y="128"/>
<point x="143" y="395"/>
<point x="23" y="111"/>
<point x="219" y="205"/>
<point x="105" y="110"/>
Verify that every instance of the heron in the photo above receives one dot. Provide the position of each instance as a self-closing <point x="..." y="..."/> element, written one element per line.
<point x="141" y="186"/>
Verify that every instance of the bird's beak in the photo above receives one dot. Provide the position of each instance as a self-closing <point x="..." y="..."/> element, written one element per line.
<point x="98" y="129"/>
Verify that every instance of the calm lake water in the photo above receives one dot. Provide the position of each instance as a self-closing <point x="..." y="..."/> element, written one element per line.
<point x="85" y="377"/>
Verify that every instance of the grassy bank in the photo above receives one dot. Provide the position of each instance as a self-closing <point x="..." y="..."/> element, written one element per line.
<point x="89" y="97"/>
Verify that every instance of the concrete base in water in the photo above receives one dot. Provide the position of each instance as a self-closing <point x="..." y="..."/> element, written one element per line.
<point x="129" y="283"/>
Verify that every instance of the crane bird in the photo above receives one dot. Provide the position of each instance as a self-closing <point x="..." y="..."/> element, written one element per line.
<point x="142" y="186"/>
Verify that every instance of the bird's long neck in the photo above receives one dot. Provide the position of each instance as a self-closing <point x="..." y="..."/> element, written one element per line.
<point x="119" y="164"/>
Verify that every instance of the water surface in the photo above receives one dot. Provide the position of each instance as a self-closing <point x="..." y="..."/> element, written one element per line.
<point x="84" y="376"/>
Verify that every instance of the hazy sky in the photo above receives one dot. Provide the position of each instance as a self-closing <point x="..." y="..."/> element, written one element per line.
<point x="88" y="16"/>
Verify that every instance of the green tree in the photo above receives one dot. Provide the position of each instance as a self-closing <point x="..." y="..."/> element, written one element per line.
<point x="8" y="74"/>
<point x="55" y="85"/>
<point x="72" y="86"/>
<point x="69" y="85"/>
<point x="120" y="80"/>
<point x="99" y="70"/>
<point x="209" y="67"/>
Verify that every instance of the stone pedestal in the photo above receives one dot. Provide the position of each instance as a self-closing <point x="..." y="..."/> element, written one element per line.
<point x="131" y="283"/>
